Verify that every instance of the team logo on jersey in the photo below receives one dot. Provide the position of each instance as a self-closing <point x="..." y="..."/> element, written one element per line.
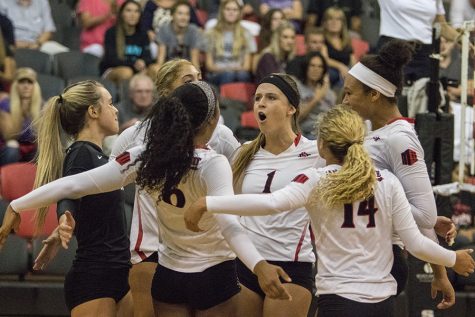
<point x="409" y="157"/>
<point x="376" y="138"/>
<point x="304" y="154"/>
<point x="302" y="178"/>
<point x="123" y="158"/>
<point x="194" y="163"/>
<point x="378" y="176"/>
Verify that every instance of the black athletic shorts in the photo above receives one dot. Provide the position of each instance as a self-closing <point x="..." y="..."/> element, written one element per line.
<point x="81" y="285"/>
<point x="201" y="290"/>
<point x="300" y="273"/>
<point x="152" y="258"/>
<point x="331" y="305"/>
<point x="400" y="269"/>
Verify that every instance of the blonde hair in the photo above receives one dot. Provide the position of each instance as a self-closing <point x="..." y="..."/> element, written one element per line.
<point x="342" y="130"/>
<point x="66" y="112"/>
<point x="168" y="74"/>
<point x="344" y="36"/>
<point x="216" y="34"/>
<point x="247" y="151"/>
<point x="274" y="46"/>
<point x="16" y="111"/>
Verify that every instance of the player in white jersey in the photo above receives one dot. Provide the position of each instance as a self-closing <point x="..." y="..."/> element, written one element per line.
<point x="144" y="243"/>
<point x="354" y="210"/>
<point x="265" y="165"/>
<point x="371" y="88"/>
<point x="196" y="275"/>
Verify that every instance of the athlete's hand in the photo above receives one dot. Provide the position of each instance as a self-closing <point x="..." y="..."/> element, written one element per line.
<point x="443" y="285"/>
<point x="464" y="263"/>
<point x="269" y="279"/>
<point x="11" y="221"/>
<point x="66" y="228"/>
<point x="194" y="213"/>
<point x="445" y="228"/>
<point x="50" y="248"/>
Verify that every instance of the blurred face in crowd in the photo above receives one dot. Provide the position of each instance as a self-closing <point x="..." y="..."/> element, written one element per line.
<point x="315" y="69"/>
<point x="181" y="16"/>
<point x="315" y="42"/>
<point x="276" y="20"/>
<point x="446" y="46"/>
<point x="142" y="93"/>
<point x="287" y="40"/>
<point x="131" y="14"/>
<point x="25" y="88"/>
<point x="334" y="21"/>
<point x="231" y="12"/>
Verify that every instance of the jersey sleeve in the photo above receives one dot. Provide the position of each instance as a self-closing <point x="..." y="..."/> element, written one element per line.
<point x="218" y="179"/>
<point x="405" y="226"/>
<point x="125" y="140"/>
<point x="105" y="178"/>
<point x="292" y="196"/>
<point x="407" y="161"/>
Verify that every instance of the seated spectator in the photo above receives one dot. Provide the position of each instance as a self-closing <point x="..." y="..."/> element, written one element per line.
<point x="96" y="17"/>
<point x="32" y="24"/>
<point x="158" y="12"/>
<point x="269" y="23"/>
<point x="139" y="101"/>
<point x="178" y="38"/>
<point x="338" y="42"/>
<point x="229" y="48"/>
<point x="351" y="8"/>
<point x="17" y="137"/>
<point x="315" y="93"/>
<point x="314" y="42"/>
<point x="127" y="47"/>
<point x="7" y="61"/>
<point x="250" y="9"/>
<point x="450" y="70"/>
<point x="293" y="10"/>
<point x="274" y="58"/>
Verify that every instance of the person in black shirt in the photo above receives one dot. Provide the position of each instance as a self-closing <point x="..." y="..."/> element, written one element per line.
<point x="97" y="283"/>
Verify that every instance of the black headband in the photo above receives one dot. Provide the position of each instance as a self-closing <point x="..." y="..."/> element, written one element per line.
<point x="284" y="86"/>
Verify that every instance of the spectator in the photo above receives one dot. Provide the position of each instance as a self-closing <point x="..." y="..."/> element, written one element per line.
<point x="351" y="8"/>
<point x="127" y="47"/>
<point x="178" y="38"/>
<point x="17" y="137"/>
<point x="249" y="10"/>
<point x="7" y="62"/>
<point x="229" y="47"/>
<point x="460" y="11"/>
<point x="274" y="58"/>
<point x="33" y="24"/>
<point x="96" y="17"/>
<point x="338" y="42"/>
<point x="269" y="23"/>
<point x="315" y="93"/>
<point x="293" y="10"/>
<point x="139" y="101"/>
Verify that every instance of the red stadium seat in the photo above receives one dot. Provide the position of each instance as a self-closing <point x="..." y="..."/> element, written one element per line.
<point x="16" y="180"/>
<point x="300" y="48"/>
<point x="202" y="16"/>
<point x="360" y="48"/>
<point x="240" y="91"/>
<point x="248" y="120"/>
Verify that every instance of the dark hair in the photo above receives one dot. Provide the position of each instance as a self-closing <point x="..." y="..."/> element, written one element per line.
<point x="172" y="124"/>
<point x="180" y="3"/>
<point x="266" y="33"/>
<point x="306" y="64"/>
<point x="389" y="63"/>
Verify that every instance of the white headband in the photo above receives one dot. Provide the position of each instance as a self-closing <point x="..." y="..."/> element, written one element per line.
<point x="373" y="80"/>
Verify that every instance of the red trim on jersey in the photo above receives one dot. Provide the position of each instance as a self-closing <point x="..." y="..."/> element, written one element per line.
<point x="123" y="158"/>
<point x="410" y="120"/>
<point x="312" y="235"/>
<point x="297" y="139"/>
<point x="301" y="178"/>
<point x="299" y="245"/>
<point x="140" y="234"/>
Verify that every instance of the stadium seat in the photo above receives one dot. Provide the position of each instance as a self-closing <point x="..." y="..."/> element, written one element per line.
<point x="39" y="61"/>
<point x="248" y="120"/>
<point x="14" y="256"/>
<point x="109" y="85"/>
<point x="50" y="85"/>
<point x="16" y="180"/>
<point x="72" y="64"/>
<point x="300" y="48"/>
<point x="240" y="91"/>
<point x="360" y="48"/>
<point x="62" y="261"/>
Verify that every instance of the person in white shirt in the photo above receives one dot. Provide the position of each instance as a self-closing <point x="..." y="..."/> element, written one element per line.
<point x="371" y="89"/>
<point x="196" y="274"/>
<point x="354" y="210"/>
<point x="264" y="165"/>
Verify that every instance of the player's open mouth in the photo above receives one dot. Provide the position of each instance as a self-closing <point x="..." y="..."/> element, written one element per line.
<point x="262" y="116"/>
